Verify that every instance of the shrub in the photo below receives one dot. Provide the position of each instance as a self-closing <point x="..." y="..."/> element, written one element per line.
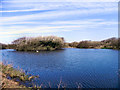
<point x="3" y="46"/>
<point x="111" y="43"/>
<point x="73" y="44"/>
<point x="83" y="44"/>
<point x="39" y="43"/>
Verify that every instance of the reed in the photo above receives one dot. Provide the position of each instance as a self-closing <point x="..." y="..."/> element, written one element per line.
<point x="13" y="78"/>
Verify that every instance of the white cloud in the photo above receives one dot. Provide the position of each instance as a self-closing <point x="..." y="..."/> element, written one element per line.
<point x="70" y="22"/>
<point x="25" y="10"/>
<point x="56" y="14"/>
<point x="29" y="6"/>
<point x="50" y="21"/>
<point x="58" y="26"/>
<point x="62" y="1"/>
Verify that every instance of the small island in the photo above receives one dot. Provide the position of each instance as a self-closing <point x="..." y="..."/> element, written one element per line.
<point x="47" y="43"/>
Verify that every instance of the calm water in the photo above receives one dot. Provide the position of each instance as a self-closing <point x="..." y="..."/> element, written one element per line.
<point x="90" y="68"/>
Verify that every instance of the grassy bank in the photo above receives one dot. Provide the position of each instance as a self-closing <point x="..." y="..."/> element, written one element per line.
<point x="13" y="78"/>
<point x="18" y="76"/>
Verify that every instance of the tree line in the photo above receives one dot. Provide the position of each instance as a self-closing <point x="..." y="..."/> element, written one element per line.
<point x="50" y="43"/>
<point x="111" y="43"/>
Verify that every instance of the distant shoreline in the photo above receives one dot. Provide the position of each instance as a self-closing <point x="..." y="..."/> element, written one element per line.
<point x="51" y="43"/>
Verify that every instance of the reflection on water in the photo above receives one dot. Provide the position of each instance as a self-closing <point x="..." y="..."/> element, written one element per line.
<point x="87" y="67"/>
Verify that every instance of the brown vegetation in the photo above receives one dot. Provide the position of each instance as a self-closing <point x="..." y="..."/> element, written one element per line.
<point x="15" y="77"/>
<point x="39" y="43"/>
<point x="50" y="43"/>
<point x="3" y="46"/>
<point x="111" y="43"/>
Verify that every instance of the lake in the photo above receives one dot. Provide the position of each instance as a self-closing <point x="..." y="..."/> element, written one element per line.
<point x="87" y="68"/>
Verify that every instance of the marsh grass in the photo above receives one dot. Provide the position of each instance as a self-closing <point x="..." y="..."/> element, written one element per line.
<point x="15" y="75"/>
<point x="8" y="70"/>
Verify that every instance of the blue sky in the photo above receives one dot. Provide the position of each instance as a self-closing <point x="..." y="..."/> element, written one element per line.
<point x="74" y="20"/>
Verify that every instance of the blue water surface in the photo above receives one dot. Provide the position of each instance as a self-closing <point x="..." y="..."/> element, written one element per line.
<point x="86" y="68"/>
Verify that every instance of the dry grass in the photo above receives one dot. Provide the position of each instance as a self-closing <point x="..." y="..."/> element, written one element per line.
<point x="14" y="74"/>
<point x="6" y="83"/>
<point x="8" y="70"/>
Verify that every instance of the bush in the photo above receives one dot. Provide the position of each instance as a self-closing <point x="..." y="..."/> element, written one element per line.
<point x="88" y="44"/>
<point x="3" y="46"/>
<point x="73" y="44"/>
<point x="111" y="43"/>
<point x="39" y="43"/>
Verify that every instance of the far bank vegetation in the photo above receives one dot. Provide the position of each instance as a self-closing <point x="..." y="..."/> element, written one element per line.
<point x="50" y="43"/>
<point x="111" y="43"/>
